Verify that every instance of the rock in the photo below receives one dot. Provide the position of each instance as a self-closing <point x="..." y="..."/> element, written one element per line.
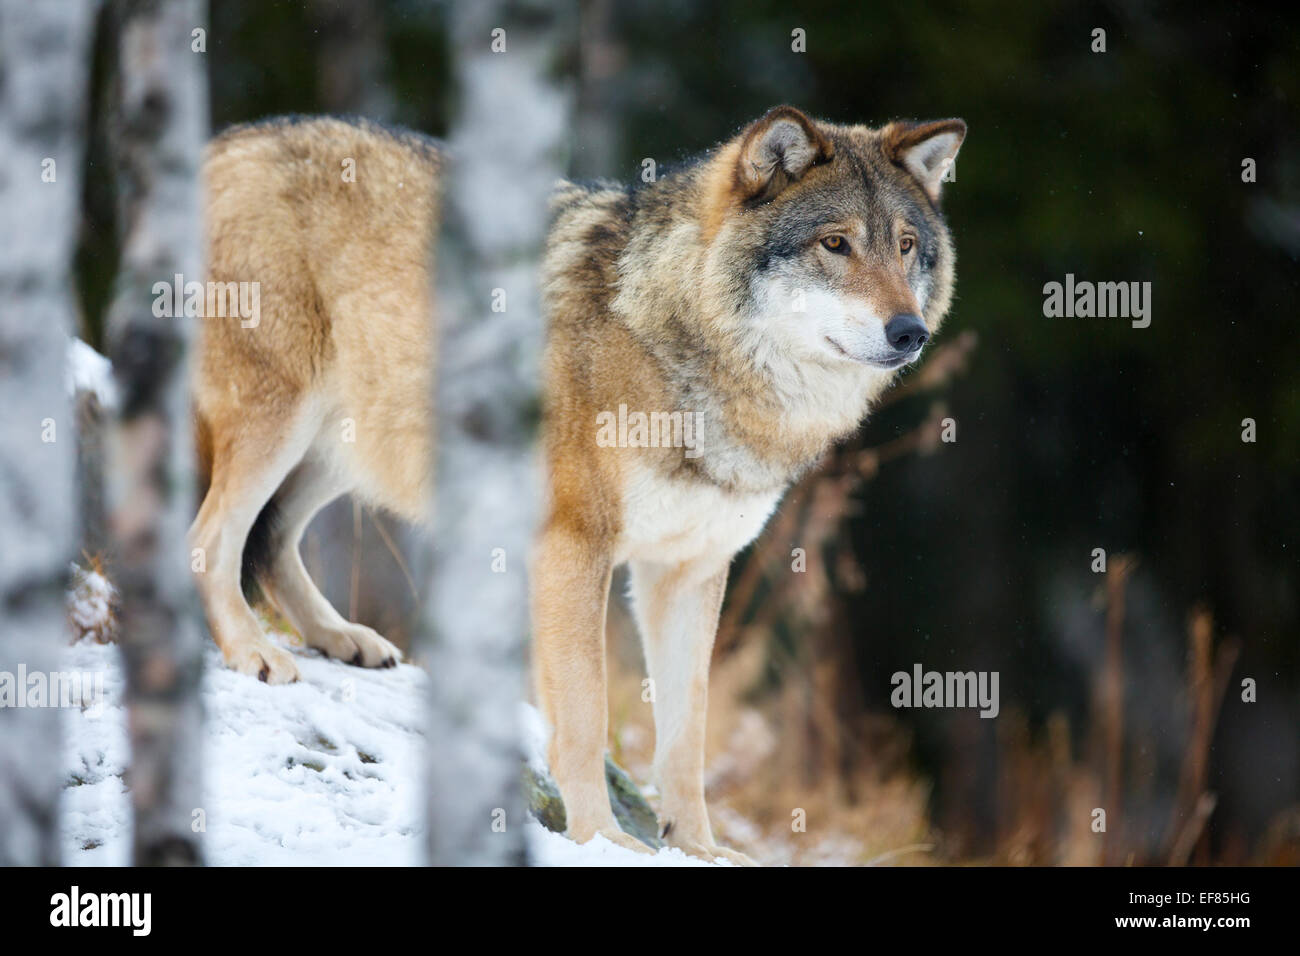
<point x="634" y="815"/>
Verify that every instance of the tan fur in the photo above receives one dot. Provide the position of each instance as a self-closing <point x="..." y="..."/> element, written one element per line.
<point x="652" y="304"/>
<point x="342" y="351"/>
<point x="678" y="298"/>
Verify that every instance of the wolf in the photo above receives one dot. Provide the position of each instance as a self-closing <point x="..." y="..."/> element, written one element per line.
<point x="328" y="391"/>
<point x="771" y="290"/>
<point x="760" y="296"/>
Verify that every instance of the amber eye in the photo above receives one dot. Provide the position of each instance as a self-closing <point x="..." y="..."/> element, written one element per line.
<point x="836" y="244"/>
<point x="906" y="244"/>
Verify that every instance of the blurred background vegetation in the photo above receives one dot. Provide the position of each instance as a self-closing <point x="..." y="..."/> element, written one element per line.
<point x="1072" y="434"/>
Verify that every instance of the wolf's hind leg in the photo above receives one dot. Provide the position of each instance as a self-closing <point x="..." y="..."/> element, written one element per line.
<point x="676" y="608"/>
<point x="311" y="486"/>
<point x="252" y="457"/>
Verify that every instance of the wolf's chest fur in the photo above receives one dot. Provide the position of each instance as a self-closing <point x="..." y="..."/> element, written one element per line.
<point x="672" y="520"/>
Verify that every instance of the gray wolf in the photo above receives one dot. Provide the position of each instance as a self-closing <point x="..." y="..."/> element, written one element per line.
<point x="329" y="391"/>
<point x="751" y="305"/>
<point x="771" y="290"/>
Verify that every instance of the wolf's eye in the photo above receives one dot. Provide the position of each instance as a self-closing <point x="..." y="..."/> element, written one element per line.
<point x="906" y="244"/>
<point x="836" y="244"/>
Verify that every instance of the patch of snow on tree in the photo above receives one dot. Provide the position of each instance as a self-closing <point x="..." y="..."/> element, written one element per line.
<point x="88" y="371"/>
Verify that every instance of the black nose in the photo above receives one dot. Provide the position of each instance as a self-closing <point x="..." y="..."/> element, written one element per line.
<point x="906" y="332"/>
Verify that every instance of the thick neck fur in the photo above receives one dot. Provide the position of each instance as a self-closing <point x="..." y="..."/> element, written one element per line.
<point x="688" y="299"/>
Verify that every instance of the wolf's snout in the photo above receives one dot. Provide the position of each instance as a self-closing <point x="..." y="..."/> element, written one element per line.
<point x="906" y="333"/>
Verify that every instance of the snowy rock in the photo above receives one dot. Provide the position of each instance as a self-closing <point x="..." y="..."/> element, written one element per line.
<point x="634" y="815"/>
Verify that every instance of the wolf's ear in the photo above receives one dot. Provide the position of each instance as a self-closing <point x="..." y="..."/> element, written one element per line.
<point x="777" y="150"/>
<point x="926" y="150"/>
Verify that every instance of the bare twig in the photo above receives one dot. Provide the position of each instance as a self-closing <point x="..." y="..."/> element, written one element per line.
<point x="355" y="584"/>
<point x="1208" y="673"/>
<point x="396" y="553"/>
<point x="1112" y="697"/>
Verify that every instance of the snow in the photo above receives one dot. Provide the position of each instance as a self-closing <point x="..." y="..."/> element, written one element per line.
<point x="552" y="849"/>
<point x="90" y="604"/>
<point x="326" y="771"/>
<point x="88" y="371"/>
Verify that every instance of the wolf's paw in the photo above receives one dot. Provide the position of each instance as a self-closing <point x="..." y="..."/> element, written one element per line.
<point x="263" y="660"/>
<point x="711" y="851"/>
<point x="356" y="644"/>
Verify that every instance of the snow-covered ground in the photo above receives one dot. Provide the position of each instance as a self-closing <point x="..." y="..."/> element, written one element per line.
<point x="327" y="771"/>
<point x="323" y="772"/>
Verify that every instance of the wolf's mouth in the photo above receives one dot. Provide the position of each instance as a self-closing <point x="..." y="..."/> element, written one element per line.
<point x="839" y="348"/>
<point x="888" y="365"/>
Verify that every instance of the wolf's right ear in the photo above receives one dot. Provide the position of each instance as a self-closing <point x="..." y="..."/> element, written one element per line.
<point x="777" y="150"/>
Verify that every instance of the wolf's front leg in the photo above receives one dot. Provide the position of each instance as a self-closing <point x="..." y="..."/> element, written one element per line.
<point x="677" y="610"/>
<point x="570" y="580"/>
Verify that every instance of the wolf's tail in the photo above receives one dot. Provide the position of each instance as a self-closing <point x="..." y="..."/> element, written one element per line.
<point x="257" y="549"/>
<point x="203" y="456"/>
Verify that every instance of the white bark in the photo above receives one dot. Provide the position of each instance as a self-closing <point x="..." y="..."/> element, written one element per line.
<point x="44" y="62"/>
<point x="506" y="147"/>
<point x="159" y="132"/>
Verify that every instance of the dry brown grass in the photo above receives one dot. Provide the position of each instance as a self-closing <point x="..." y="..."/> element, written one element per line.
<point x="772" y="752"/>
<point x="789" y="733"/>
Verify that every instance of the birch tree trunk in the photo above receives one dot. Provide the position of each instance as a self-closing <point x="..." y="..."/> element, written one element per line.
<point x="159" y="133"/>
<point x="44" y="62"/>
<point x="600" y="88"/>
<point x="506" y="146"/>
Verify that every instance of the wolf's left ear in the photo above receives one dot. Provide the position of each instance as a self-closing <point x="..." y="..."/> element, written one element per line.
<point x="776" y="150"/>
<point x="926" y="150"/>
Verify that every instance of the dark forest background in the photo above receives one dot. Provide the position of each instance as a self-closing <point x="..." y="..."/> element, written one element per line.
<point x="1072" y="434"/>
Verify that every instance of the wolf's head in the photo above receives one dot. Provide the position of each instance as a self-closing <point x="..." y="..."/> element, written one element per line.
<point x="837" y="233"/>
